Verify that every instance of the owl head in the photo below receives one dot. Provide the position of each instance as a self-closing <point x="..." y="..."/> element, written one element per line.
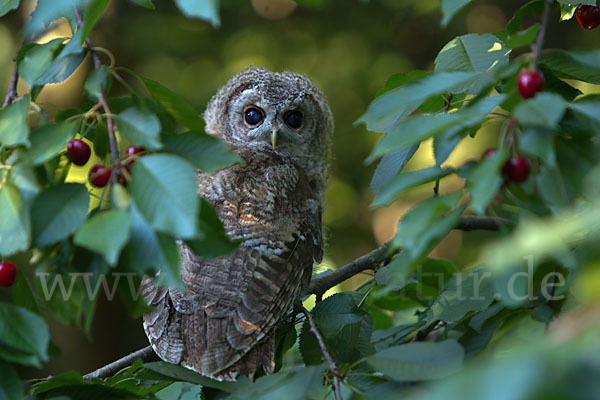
<point x="273" y="112"/>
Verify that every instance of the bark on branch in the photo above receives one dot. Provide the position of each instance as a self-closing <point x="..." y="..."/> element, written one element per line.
<point x="321" y="284"/>
<point x="146" y="354"/>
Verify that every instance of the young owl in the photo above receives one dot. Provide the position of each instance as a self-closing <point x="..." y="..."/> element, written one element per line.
<point x="223" y="324"/>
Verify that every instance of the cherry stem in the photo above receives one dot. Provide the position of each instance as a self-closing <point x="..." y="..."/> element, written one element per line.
<point x="336" y="373"/>
<point x="12" y="88"/>
<point x="102" y="100"/>
<point x="539" y="42"/>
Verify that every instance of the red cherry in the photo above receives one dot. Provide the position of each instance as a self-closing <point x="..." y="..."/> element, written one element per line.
<point x="530" y="82"/>
<point x="588" y="16"/>
<point x="8" y="273"/>
<point x="488" y="154"/>
<point x="121" y="177"/>
<point x="516" y="169"/>
<point x="131" y="150"/>
<point x="99" y="175"/>
<point x="78" y="152"/>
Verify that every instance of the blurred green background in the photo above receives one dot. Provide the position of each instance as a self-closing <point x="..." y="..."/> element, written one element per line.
<point x="348" y="47"/>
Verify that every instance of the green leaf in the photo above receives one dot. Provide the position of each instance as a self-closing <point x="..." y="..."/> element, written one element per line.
<point x="585" y="2"/>
<point x="421" y="127"/>
<point x="7" y="6"/>
<point x="544" y="110"/>
<point x="299" y="383"/>
<point x="485" y="180"/>
<point x="147" y="249"/>
<point x="47" y="12"/>
<point x="419" y="361"/>
<point x="164" y="189"/>
<point x="207" y="10"/>
<point x="13" y="123"/>
<point x="176" y="105"/>
<point x="47" y="141"/>
<point x="451" y="7"/>
<point x="552" y="188"/>
<point x="345" y="326"/>
<point x="400" y="79"/>
<point x="57" y="212"/>
<point x="396" y="104"/>
<point x="399" y="184"/>
<point x="582" y="65"/>
<point x="60" y="69"/>
<point x="212" y="241"/>
<point x="144" y="3"/>
<point x="426" y="224"/>
<point x="534" y="7"/>
<point x="94" y="12"/>
<point x="105" y="233"/>
<point x="540" y="143"/>
<point x="15" y="229"/>
<point x="204" y="152"/>
<point x="140" y="127"/>
<point x="10" y="385"/>
<point x="34" y="59"/>
<point x="390" y="165"/>
<point x="181" y="374"/>
<point x="473" y="53"/>
<point x="23" y="331"/>
<point x="94" y="82"/>
<point x="519" y="39"/>
<point x="567" y="11"/>
<point x="588" y="107"/>
<point x="464" y="292"/>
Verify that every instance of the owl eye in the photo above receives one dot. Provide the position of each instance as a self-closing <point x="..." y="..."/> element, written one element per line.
<point x="253" y="116"/>
<point x="294" y="119"/>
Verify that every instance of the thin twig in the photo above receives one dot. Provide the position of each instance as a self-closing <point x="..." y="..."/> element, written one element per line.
<point x="102" y="99"/>
<point x="423" y="333"/>
<point x="539" y="42"/>
<point x="12" y="87"/>
<point x="146" y="354"/>
<point x="328" y="358"/>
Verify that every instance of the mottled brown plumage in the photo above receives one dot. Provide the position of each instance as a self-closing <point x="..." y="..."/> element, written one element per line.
<point x="223" y="325"/>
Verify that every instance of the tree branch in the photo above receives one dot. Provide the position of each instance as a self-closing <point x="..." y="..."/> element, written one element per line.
<point x="102" y="100"/>
<point x="539" y="42"/>
<point x="336" y="373"/>
<point x="321" y="284"/>
<point x="146" y="354"/>
<point x="11" y="95"/>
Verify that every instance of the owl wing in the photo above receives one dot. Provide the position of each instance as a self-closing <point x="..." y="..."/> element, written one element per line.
<point x="224" y="324"/>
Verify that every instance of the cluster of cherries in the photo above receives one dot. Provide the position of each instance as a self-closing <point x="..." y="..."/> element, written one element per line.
<point x="79" y="153"/>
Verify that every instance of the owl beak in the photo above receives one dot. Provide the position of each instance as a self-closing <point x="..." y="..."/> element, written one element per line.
<point x="274" y="137"/>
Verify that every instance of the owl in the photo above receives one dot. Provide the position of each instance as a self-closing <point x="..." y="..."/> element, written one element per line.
<point x="223" y="323"/>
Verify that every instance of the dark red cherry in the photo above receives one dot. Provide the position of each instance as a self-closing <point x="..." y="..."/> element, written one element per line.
<point x="78" y="152"/>
<point x="530" y="82"/>
<point x="99" y="175"/>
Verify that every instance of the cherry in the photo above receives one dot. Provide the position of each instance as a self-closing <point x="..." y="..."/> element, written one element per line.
<point x="8" y="273"/>
<point x="100" y="175"/>
<point x="488" y="154"/>
<point x="78" y="152"/>
<point x="131" y="150"/>
<point x="516" y="169"/>
<point x="530" y="82"/>
<point x="588" y="16"/>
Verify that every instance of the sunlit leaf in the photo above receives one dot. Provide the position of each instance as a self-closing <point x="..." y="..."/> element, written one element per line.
<point x="207" y="10"/>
